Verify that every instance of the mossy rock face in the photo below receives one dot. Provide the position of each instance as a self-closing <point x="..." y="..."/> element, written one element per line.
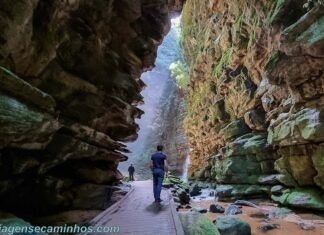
<point x="22" y="125"/>
<point x="228" y="225"/>
<point x="233" y="192"/>
<point x="9" y="82"/>
<point x="306" y="34"/>
<point x="197" y="224"/>
<point x="304" y="126"/>
<point x="238" y="170"/>
<point x="244" y="160"/>
<point x="246" y="144"/>
<point x="302" y="198"/>
<point x="235" y="129"/>
<point x="314" y="33"/>
<point x="296" y="166"/>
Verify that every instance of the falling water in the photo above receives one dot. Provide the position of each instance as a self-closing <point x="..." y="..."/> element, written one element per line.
<point x="160" y="98"/>
<point x="184" y="176"/>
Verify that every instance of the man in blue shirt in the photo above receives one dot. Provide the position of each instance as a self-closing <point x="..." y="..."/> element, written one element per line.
<point x="159" y="166"/>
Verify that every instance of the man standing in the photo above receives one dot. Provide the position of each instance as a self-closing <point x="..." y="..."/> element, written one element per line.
<point x="131" y="171"/>
<point x="159" y="166"/>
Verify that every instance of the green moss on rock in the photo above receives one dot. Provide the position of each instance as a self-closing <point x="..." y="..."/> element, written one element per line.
<point x="197" y="224"/>
<point x="302" y="198"/>
<point x="304" y="126"/>
<point x="235" y="129"/>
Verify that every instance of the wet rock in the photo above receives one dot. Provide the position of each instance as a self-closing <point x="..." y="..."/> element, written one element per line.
<point x="265" y="227"/>
<point x="183" y="196"/>
<point x="195" y="191"/>
<point x="279" y="213"/>
<point x="308" y="226"/>
<point x="199" y="210"/>
<point x="194" y="223"/>
<point x="245" y="203"/>
<point x="233" y="210"/>
<point x="278" y="190"/>
<point x="232" y="226"/>
<point x="302" y="198"/>
<point x="216" y="209"/>
<point x="270" y="179"/>
<point x="234" y="192"/>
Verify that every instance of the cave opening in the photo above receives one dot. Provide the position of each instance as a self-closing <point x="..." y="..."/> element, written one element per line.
<point x="164" y="110"/>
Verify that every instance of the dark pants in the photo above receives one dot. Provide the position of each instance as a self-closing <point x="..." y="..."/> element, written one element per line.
<point x="158" y="175"/>
<point x="131" y="176"/>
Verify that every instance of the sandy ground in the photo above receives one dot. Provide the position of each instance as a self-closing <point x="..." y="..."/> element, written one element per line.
<point x="287" y="226"/>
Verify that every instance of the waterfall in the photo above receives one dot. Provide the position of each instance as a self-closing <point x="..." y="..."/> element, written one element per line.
<point x="184" y="176"/>
<point x="161" y="100"/>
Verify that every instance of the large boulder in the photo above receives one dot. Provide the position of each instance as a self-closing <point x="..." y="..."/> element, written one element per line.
<point x="302" y="198"/>
<point x="196" y="224"/>
<point x="216" y="209"/>
<point x="228" y="225"/>
<point x="233" y="210"/>
<point x="234" y="192"/>
<point x="244" y="160"/>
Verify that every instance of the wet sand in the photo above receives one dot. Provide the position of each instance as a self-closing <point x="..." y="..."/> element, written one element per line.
<point x="253" y="216"/>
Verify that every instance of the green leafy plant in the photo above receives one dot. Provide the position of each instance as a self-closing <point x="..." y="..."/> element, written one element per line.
<point x="256" y="22"/>
<point x="273" y="11"/>
<point x="237" y="96"/>
<point x="223" y="62"/>
<point x="179" y="71"/>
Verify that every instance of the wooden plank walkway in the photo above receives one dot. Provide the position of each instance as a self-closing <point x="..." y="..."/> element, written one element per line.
<point x="138" y="214"/>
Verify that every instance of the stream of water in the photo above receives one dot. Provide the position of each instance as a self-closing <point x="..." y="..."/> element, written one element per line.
<point x="161" y="102"/>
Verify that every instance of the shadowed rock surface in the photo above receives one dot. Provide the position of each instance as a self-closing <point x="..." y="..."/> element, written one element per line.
<point x="69" y="86"/>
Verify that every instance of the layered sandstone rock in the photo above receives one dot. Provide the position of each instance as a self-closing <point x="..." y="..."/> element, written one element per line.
<point x="255" y="99"/>
<point x="70" y="81"/>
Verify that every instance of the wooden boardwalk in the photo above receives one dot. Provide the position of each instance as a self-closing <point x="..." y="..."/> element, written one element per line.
<point x="138" y="214"/>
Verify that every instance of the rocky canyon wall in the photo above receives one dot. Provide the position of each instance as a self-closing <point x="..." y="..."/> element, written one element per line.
<point x="255" y="99"/>
<point x="69" y="85"/>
